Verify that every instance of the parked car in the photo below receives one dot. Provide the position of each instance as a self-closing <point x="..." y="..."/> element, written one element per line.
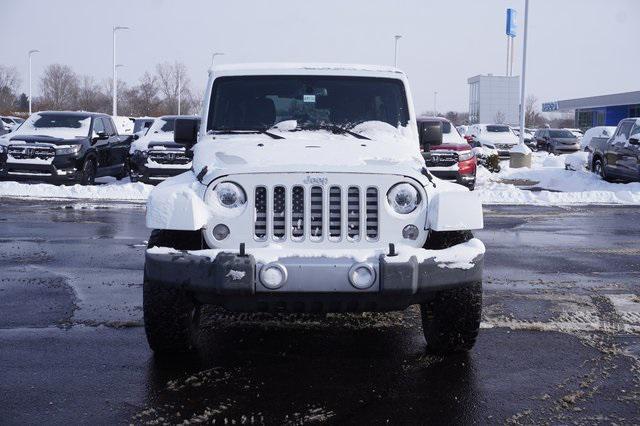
<point x="617" y="157"/>
<point x="155" y="156"/>
<point x="596" y="132"/>
<point x="124" y="125"/>
<point x="142" y="124"/>
<point x="493" y="136"/>
<point x="304" y="198"/>
<point x="73" y="147"/>
<point x="556" y="141"/>
<point x="576" y="132"/>
<point x="452" y="160"/>
<point x="9" y="124"/>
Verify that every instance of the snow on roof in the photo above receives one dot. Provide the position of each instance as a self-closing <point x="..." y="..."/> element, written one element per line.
<point x="305" y="68"/>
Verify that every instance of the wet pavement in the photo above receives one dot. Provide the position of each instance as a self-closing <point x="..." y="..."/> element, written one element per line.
<point x="560" y="338"/>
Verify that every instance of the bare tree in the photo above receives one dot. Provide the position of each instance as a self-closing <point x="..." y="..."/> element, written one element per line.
<point x="500" y="117"/>
<point x="9" y="82"/>
<point x="90" y="97"/>
<point x="59" y="86"/>
<point x="532" y="116"/>
<point x="171" y="79"/>
<point x="144" y="98"/>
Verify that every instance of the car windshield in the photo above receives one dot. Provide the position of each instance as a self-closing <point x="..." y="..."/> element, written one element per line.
<point x="163" y="125"/>
<point x="141" y="125"/>
<point x="498" y="129"/>
<point x="57" y="125"/>
<point x="6" y="120"/>
<point x="257" y="103"/>
<point x="561" y="134"/>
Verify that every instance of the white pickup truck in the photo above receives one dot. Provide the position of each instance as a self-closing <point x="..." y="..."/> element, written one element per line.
<point x="308" y="193"/>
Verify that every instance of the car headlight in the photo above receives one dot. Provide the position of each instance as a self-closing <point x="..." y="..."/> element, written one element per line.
<point x="140" y="154"/>
<point x="403" y="198"/>
<point x="227" y="194"/>
<point x="70" y="149"/>
<point x="465" y="155"/>
<point x="3" y="149"/>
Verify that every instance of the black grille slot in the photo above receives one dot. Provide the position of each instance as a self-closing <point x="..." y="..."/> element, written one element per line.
<point x="297" y="212"/>
<point x="316" y="213"/>
<point x="279" y="210"/>
<point x="335" y="215"/>
<point x="170" y="157"/>
<point x="372" y="213"/>
<point x="353" y="213"/>
<point x="260" y="225"/>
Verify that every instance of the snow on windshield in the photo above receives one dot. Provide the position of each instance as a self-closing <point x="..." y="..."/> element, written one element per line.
<point x="162" y="125"/>
<point x="56" y="125"/>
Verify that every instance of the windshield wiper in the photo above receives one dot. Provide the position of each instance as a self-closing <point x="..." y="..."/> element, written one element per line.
<point x="334" y="128"/>
<point x="241" y="132"/>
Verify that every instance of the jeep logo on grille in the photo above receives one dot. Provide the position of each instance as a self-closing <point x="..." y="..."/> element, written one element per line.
<point x="309" y="180"/>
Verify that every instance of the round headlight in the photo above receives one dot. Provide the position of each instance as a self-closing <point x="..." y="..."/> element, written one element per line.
<point x="229" y="195"/>
<point x="403" y="198"/>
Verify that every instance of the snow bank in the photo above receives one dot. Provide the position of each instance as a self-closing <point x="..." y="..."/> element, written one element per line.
<point x="553" y="184"/>
<point x="111" y="191"/>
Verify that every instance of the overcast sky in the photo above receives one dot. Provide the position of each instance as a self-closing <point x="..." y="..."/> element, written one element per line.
<point x="576" y="47"/>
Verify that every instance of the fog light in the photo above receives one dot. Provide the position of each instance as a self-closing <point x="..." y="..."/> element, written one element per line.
<point x="273" y="275"/>
<point x="220" y="232"/>
<point x="410" y="232"/>
<point x="362" y="276"/>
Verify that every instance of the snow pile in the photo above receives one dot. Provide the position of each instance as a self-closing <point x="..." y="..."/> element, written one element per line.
<point x="112" y="191"/>
<point x="552" y="184"/>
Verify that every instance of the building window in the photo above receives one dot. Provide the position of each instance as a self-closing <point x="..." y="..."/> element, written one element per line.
<point x="634" y="111"/>
<point x="586" y="119"/>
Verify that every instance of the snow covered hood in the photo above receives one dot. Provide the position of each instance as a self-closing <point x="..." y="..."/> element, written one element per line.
<point x="306" y="151"/>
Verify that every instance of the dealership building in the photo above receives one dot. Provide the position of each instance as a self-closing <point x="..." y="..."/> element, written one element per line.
<point x="494" y="99"/>
<point x="606" y="110"/>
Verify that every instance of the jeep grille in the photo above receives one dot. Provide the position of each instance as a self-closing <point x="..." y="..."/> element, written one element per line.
<point x="335" y="213"/>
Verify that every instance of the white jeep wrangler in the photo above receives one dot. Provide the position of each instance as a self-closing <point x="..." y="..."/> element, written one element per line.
<point x="308" y="193"/>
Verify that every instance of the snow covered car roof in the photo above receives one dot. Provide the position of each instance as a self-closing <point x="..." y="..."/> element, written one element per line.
<point x="306" y="68"/>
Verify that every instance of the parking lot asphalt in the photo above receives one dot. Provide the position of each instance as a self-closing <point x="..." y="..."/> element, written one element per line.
<point x="560" y="337"/>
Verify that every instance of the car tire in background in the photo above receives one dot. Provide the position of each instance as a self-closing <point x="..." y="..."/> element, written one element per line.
<point x="451" y="319"/>
<point x="599" y="168"/>
<point x="87" y="175"/>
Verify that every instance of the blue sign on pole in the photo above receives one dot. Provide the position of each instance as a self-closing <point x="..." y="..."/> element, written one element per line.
<point x="511" y="22"/>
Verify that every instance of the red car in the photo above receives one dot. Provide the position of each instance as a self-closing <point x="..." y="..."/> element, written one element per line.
<point x="451" y="160"/>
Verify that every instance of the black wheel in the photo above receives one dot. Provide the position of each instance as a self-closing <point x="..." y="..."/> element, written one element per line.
<point x="126" y="171"/>
<point x="451" y="319"/>
<point x="549" y="148"/>
<point x="599" y="168"/>
<point x="169" y="310"/>
<point x="87" y="175"/>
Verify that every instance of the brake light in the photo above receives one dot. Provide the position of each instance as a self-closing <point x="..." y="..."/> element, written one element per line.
<point x="467" y="166"/>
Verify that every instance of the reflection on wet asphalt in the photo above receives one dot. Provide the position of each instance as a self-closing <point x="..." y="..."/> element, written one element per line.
<point x="559" y="343"/>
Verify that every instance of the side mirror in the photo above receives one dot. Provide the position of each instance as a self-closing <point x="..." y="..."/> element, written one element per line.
<point x="634" y="141"/>
<point x="100" y="136"/>
<point x="430" y="134"/>
<point x="186" y="131"/>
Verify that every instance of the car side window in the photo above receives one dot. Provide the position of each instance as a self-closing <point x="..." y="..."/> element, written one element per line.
<point x="625" y="129"/>
<point x="107" y="126"/>
<point x="98" y="126"/>
<point x="635" y="132"/>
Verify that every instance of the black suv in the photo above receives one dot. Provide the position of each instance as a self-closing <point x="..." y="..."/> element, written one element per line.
<point x="65" y="147"/>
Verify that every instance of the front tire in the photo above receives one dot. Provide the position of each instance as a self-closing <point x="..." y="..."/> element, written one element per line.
<point x="169" y="310"/>
<point x="599" y="168"/>
<point x="87" y="175"/>
<point x="451" y="319"/>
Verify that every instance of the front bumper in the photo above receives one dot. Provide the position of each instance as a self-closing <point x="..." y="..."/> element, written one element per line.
<point x="143" y="172"/>
<point x="315" y="284"/>
<point x="467" y="180"/>
<point x="63" y="168"/>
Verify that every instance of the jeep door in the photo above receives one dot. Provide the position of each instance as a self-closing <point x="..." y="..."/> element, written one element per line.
<point x="118" y="147"/>
<point x="100" y="141"/>
<point x="615" y="146"/>
<point x="629" y="158"/>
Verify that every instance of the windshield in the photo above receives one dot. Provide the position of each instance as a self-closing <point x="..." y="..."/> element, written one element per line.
<point x="257" y="103"/>
<point x="6" y="120"/>
<point x="498" y="129"/>
<point x="561" y="134"/>
<point x="141" y="124"/>
<point x="163" y="125"/>
<point x="57" y="125"/>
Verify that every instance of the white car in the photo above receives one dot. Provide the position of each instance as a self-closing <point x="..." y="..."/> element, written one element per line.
<point x="576" y="132"/>
<point x="308" y="193"/>
<point x="155" y="156"/>
<point x="493" y="136"/>
<point x="596" y="132"/>
<point x="124" y="125"/>
<point x="9" y="123"/>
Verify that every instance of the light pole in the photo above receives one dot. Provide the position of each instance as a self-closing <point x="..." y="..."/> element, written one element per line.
<point x="395" y="50"/>
<point x="213" y="57"/>
<point x="31" y="52"/>
<point x="114" y="110"/>
<point x="523" y="83"/>
<point x="435" y="98"/>
<point x="179" y="89"/>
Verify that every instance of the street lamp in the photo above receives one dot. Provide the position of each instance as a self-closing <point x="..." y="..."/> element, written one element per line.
<point x="114" y="111"/>
<point x="395" y="51"/>
<point x="31" y="52"/>
<point x="213" y="57"/>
